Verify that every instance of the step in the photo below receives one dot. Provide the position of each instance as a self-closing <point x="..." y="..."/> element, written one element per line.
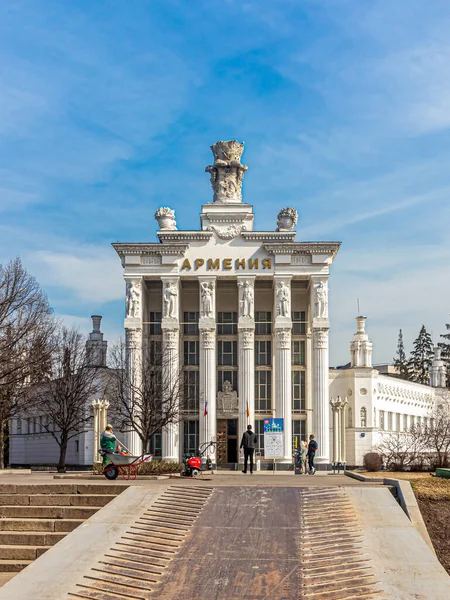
<point x="13" y="566"/>
<point x="21" y="552"/>
<point x="26" y="538"/>
<point x="35" y="525"/>
<point x="98" y="500"/>
<point x="31" y="489"/>
<point x="48" y="512"/>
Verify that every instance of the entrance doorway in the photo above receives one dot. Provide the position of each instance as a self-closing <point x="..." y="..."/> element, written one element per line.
<point x="232" y="436"/>
<point x="228" y="438"/>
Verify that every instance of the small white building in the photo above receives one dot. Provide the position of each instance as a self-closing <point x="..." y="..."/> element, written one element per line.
<point x="381" y="403"/>
<point x="29" y="442"/>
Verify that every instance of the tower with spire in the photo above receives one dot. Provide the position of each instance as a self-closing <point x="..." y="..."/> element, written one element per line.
<point x="361" y="347"/>
<point x="96" y="346"/>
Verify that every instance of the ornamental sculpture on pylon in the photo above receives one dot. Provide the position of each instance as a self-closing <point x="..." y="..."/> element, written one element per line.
<point x="227" y="172"/>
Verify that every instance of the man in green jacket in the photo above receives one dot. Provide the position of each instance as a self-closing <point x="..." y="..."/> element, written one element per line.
<point x="108" y="443"/>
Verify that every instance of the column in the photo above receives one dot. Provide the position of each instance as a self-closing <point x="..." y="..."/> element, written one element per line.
<point x="320" y="327"/>
<point x="336" y="432"/>
<point x="96" y="407"/>
<point x="283" y="360"/>
<point x="133" y="341"/>
<point x="207" y="361"/>
<point x="344" y="403"/>
<point x="170" y="367"/>
<point x="246" y="375"/>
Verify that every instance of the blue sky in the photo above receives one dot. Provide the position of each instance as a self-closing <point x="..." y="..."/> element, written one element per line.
<point x="108" y="109"/>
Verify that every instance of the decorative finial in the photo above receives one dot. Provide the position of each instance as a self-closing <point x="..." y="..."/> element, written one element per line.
<point x="227" y="172"/>
<point x="287" y="219"/>
<point x="166" y="218"/>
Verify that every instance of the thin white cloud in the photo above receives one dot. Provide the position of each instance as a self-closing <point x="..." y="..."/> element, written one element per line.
<point x="91" y="275"/>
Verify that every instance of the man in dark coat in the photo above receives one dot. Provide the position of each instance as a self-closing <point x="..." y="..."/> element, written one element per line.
<point x="249" y="443"/>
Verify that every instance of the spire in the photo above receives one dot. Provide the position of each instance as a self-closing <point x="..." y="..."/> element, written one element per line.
<point x="361" y="347"/>
<point x="96" y="347"/>
<point x="438" y="371"/>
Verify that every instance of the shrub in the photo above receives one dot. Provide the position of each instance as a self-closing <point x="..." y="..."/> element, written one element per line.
<point x="372" y="461"/>
<point x="158" y="467"/>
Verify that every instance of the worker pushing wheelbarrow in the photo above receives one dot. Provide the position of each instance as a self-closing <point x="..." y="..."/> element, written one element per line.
<point x="117" y="459"/>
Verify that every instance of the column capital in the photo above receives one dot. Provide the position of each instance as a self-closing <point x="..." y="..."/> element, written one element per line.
<point x="207" y="338"/>
<point x="170" y="339"/>
<point x="320" y="339"/>
<point x="283" y="338"/>
<point x="247" y="338"/>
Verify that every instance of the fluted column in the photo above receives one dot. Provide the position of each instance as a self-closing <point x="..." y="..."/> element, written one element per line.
<point x="321" y="408"/>
<point x="246" y="327"/>
<point x="283" y="359"/>
<point x="133" y="345"/>
<point x="96" y="407"/>
<point x="133" y="341"/>
<point x="207" y="361"/>
<point x="170" y="367"/>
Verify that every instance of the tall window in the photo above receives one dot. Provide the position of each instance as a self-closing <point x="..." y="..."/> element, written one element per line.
<point x="156" y="444"/>
<point x="191" y="352"/>
<point x="405" y="422"/>
<point x="155" y="352"/>
<point x="382" y="420"/>
<point x="298" y="391"/>
<point x="190" y="323"/>
<point x="19" y="425"/>
<point x="350" y="417"/>
<point x="298" y="433"/>
<point x="155" y="323"/>
<point x="191" y="438"/>
<point x="398" y="424"/>
<point x="263" y="391"/>
<point x="259" y="430"/>
<point x="227" y="323"/>
<point x="191" y="391"/>
<point x="298" y="322"/>
<point x="298" y="352"/>
<point x="227" y="353"/>
<point x="263" y="323"/>
<point x="389" y="421"/>
<point x="263" y="353"/>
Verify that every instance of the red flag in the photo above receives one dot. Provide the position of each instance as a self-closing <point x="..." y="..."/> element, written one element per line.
<point x="205" y="411"/>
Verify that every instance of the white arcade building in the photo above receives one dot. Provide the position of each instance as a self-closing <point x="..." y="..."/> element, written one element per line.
<point x="244" y="313"/>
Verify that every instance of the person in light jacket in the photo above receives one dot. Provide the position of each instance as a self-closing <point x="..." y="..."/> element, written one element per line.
<point x="249" y="443"/>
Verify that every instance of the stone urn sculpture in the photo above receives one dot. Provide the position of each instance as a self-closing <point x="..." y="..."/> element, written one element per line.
<point x="287" y="219"/>
<point x="166" y="218"/>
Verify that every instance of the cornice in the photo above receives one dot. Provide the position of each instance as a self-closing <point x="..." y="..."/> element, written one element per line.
<point x="269" y="236"/>
<point x="183" y="236"/>
<point x="304" y="248"/>
<point x="155" y="249"/>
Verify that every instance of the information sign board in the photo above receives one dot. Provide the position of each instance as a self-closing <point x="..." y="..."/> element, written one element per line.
<point x="273" y="438"/>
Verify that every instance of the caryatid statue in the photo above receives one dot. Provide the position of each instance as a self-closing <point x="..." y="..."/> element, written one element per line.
<point x="132" y="299"/>
<point x="227" y="172"/>
<point x="207" y="291"/>
<point x="170" y="300"/>
<point x="283" y="297"/>
<point x="247" y="300"/>
<point x="321" y="300"/>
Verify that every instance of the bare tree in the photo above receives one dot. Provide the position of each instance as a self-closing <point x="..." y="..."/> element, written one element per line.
<point x="65" y="400"/>
<point x="26" y="340"/>
<point x="144" y="394"/>
<point x="403" y="449"/>
<point x="437" y="434"/>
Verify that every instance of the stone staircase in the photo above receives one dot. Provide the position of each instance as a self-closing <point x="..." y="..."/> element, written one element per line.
<point x="35" y="517"/>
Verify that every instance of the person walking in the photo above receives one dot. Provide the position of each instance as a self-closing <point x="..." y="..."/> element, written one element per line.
<point x="312" y="449"/>
<point x="249" y="443"/>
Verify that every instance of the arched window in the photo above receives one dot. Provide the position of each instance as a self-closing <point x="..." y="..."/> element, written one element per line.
<point x="363" y="416"/>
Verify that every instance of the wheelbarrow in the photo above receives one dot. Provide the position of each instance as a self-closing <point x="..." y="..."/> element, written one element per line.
<point x="124" y="465"/>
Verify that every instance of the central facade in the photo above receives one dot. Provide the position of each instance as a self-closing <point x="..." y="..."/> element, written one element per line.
<point x="242" y="314"/>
